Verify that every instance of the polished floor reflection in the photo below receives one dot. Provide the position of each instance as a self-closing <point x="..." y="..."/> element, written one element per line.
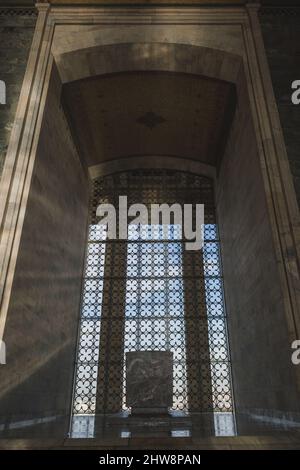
<point x="173" y="424"/>
<point x="185" y="425"/>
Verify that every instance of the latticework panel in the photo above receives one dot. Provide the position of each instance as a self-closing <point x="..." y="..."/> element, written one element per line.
<point x="149" y="293"/>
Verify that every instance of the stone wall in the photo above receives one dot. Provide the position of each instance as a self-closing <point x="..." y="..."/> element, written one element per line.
<point x="16" y="33"/>
<point x="263" y="376"/>
<point x="281" y="33"/>
<point x="41" y="330"/>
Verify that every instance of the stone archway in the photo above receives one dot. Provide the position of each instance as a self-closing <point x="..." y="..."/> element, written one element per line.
<point x="120" y="57"/>
<point x="251" y="193"/>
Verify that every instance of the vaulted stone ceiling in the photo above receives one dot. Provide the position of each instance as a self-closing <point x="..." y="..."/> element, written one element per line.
<point x="149" y="113"/>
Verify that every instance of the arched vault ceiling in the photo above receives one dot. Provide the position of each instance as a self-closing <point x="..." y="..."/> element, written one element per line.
<point x="149" y="113"/>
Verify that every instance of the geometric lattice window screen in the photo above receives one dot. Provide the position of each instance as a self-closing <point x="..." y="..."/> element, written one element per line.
<point x="149" y="293"/>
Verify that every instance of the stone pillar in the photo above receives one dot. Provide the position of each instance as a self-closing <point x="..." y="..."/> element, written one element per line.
<point x="111" y="354"/>
<point x="196" y="333"/>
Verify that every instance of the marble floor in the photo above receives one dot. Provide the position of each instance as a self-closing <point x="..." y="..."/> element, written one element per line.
<point x="284" y="441"/>
<point x="183" y="425"/>
<point x="170" y="431"/>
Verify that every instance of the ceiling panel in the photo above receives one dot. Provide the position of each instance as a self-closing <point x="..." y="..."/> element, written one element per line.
<point x="145" y="113"/>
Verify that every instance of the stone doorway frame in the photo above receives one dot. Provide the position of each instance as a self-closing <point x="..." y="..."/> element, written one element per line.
<point x="282" y="204"/>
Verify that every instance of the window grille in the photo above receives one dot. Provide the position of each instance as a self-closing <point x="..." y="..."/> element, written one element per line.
<point x="149" y="293"/>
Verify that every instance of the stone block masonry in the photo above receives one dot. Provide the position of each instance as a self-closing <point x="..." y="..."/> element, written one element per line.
<point x="281" y="33"/>
<point x="16" y="33"/>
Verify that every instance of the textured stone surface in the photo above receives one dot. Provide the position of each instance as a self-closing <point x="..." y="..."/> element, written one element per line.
<point x="16" y="32"/>
<point x="281" y="33"/>
<point x="40" y="335"/>
<point x="260" y="351"/>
